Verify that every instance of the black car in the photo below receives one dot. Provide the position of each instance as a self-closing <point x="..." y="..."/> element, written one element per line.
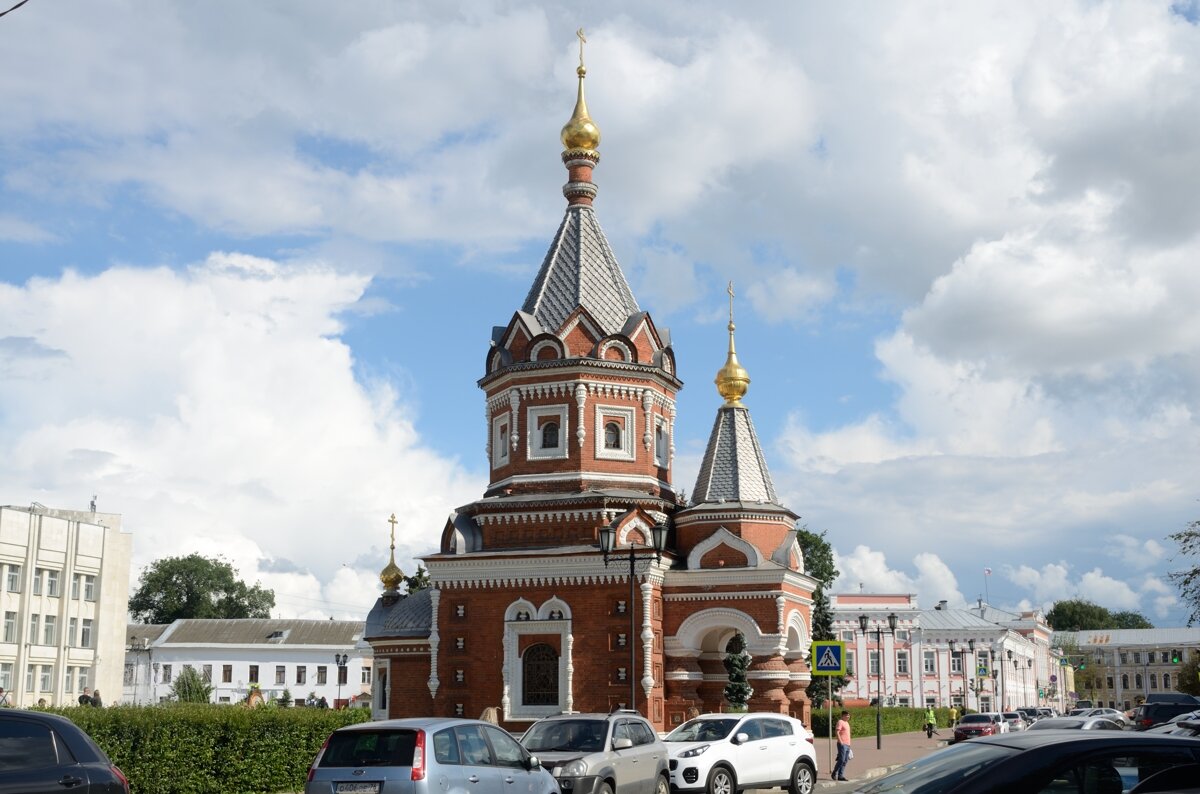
<point x="41" y="753"/>
<point x="1097" y="762"/>
<point x="1148" y="715"/>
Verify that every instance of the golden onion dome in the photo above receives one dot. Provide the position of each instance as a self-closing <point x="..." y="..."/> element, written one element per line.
<point x="732" y="379"/>
<point x="581" y="132"/>
<point x="391" y="575"/>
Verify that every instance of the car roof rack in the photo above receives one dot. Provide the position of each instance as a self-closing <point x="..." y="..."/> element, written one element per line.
<point x="618" y="710"/>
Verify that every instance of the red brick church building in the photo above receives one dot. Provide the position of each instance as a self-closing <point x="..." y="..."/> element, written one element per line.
<point x="528" y="611"/>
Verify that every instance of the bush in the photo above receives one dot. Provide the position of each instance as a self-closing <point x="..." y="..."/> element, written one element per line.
<point x="862" y="720"/>
<point x="191" y="748"/>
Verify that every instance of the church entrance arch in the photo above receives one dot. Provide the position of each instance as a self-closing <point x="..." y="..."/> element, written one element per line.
<point x="696" y="677"/>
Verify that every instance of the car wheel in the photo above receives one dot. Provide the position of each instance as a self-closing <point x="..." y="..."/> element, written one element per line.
<point x="803" y="778"/>
<point x="721" y="780"/>
<point x="662" y="786"/>
<point x="604" y="789"/>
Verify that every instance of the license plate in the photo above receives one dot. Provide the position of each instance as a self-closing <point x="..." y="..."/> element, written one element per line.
<point x="356" y="788"/>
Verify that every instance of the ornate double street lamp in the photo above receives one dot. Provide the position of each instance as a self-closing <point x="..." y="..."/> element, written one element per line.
<point x="1007" y="694"/>
<point x="956" y="648"/>
<point x="340" y="659"/>
<point x="863" y="620"/>
<point x="608" y="544"/>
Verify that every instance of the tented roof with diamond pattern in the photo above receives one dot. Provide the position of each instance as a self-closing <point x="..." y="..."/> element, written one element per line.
<point x="580" y="270"/>
<point x="734" y="468"/>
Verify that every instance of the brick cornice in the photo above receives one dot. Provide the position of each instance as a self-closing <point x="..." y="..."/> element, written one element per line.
<point x="489" y="571"/>
<point x="580" y="368"/>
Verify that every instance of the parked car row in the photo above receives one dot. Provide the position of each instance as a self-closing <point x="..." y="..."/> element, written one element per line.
<point x="616" y="753"/>
<point x="1097" y="762"/>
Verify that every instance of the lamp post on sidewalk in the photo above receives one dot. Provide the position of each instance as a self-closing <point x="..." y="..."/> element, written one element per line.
<point x="340" y="659"/>
<point x="608" y="543"/>
<point x="863" y="621"/>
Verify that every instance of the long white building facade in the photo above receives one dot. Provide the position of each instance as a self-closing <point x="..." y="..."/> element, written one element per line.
<point x="64" y="594"/>
<point x="298" y="659"/>
<point x="981" y="658"/>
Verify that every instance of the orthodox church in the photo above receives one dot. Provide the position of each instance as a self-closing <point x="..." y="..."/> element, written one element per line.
<point x="581" y="580"/>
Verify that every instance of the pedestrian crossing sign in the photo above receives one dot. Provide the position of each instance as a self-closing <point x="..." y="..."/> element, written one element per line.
<point x="829" y="657"/>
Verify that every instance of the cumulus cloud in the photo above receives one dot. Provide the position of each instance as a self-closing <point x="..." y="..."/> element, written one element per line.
<point x="867" y="569"/>
<point x="220" y="413"/>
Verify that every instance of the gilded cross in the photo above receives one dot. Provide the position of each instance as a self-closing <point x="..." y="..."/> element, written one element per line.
<point x="582" y="41"/>
<point x="730" y="291"/>
<point x="392" y="521"/>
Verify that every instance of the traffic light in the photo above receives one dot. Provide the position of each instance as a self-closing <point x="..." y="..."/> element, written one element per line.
<point x="1083" y="664"/>
<point x="1175" y="657"/>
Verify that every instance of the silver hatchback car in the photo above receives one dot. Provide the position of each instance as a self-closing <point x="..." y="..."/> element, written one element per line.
<point x="616" y="753"/>
<point x="426" y="756"/>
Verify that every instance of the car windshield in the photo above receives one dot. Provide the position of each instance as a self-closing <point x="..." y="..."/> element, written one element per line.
<point x="702" y="730"/>
<point x="975" y="718"/>
<point x="582" y="735"/>
<point x="940" y="771"/>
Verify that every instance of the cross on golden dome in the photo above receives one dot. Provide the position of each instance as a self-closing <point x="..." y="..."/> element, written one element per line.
<point x="391" y="575"/>
<point x="732" y="379"/>
<point x="580" y="133"/>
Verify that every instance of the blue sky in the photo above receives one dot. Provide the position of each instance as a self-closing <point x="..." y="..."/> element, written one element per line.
<point x="250" y="257"/>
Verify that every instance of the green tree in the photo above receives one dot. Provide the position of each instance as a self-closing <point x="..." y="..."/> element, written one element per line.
<point x="418" y="581"/>
<point x="738" y="690"/>
<point x="196" y="587"/>
<point x="190" y="687"/>
<point x="1130" y="620"/>
<point x="1188" y="678"/>
<point x="818" y="563"/>
<point x="1188" y="581"/>
<point x="1078" y="615"/>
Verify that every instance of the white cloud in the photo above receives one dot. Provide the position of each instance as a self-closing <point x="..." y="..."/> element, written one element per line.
<point x="23" y="231"/>
<point x="867" y="569"/>
<point x="218" y="410"/>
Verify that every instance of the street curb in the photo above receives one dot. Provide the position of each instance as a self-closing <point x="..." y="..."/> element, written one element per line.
<point x="878" y="771"/>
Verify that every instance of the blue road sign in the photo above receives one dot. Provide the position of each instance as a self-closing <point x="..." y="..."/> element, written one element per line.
<point x="829" y="657"/>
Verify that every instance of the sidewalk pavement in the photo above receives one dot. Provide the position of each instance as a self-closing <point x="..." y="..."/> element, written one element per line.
<point x="868" y="762"/>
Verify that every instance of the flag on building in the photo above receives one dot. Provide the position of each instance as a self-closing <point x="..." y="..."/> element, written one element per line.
<point x="987" y="571"/>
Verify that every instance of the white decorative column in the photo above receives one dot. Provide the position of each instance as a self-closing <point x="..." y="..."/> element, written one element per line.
<point x="434" y="639"/>
<point x="647" y="639"/>
<point x="580" y="417"/>
<point x="568" y="646"/>
<point x="671" y="433"/>
<point x="647" y="404"/>
<point x="514" y="400"/>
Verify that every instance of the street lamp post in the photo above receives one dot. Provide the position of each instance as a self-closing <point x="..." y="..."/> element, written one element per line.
<point x="863" y="620"/>
<point x="608" y="543"/>
<point x="340" y="659"/>
<point x="1014" y="663"/>
<point x="1004" y="681"/>
<point x="995" y="693"/>
<point x="1030" y="693"/>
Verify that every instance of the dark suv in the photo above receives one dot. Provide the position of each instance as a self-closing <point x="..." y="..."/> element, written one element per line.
<point x="1148" y="715"/>
<point x="616" y="753"/>
<point x="42" y="752"/>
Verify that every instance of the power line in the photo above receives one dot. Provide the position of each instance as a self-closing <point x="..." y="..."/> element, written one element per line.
<point x="14" y="8"/>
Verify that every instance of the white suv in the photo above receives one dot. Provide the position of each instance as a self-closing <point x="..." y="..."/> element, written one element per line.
<point x="727" y="753"/>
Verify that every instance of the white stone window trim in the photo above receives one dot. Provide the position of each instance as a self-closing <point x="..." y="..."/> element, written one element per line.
<point x="500" y="450"/>
<point x="514" y="679"/>
<point x="626" y="451"/>
<point x="533" y="439"/>
<point x="542" y="345"/>
<point x="619" y="345"/>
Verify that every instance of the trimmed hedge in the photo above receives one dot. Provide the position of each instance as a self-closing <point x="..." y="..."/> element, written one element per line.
<point x="201" y="749"/>
<point x="862" y="720"/>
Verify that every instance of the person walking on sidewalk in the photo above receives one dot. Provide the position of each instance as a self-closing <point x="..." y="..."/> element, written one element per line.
<point x="953" y="716"/>
<point x="930" y="722"/>
<point x="843" y="747"/>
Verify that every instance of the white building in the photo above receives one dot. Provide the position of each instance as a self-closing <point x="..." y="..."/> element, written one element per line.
<point x="238" y="656"/>
<point x="980" y="658"/>
<point x="64" y="594"/>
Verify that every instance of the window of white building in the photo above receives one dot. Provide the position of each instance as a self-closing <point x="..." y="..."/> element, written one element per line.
<point x="873" y="662"/>
<point x="929" y="663"/>
<point x="89" y="588"/>
<point x="6" y="674"/>
<point x="902" y="662"/>
<point x="14" y="578"/>
<point x="50" y="630"/>
<point x="166" y="673"/>
<point x="280" y="674"/>
<point x="10" y="627"/>
<point x="35" y="621"/>
<point x="366" y="675"/>
<point x="52" y="583"/>
<point x="85" y="634"/>
<point x="72" y="631"/>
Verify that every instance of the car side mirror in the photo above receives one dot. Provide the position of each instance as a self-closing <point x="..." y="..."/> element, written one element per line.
<point x="741" y="738"/>
<point x="532" y="763"/>
<point x="622" y="743"/>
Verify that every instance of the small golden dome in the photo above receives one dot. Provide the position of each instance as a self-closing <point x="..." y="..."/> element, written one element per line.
<point x="391" y="575"/>
<point x="732" y="379"/>
<point x="580" y="132"/>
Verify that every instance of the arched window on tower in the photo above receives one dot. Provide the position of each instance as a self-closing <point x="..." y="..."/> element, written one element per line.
<point x="612" y="436"/>
<point x="660" y="444"/>
<point x="1166" y="680"/>
<point x="1124" y="680"/>
<point x="539" y="676"/>
<point x="1137" y="680"/>
<point x="550" y="435"/>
